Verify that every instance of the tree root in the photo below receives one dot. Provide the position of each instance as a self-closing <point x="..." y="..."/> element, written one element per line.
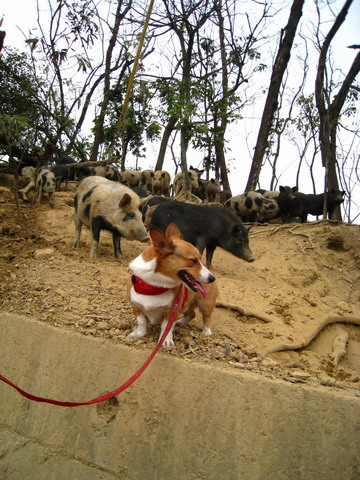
<point x="291" y="226"/>
<point x="244" y="312"/>
<point x="303" y="235"/>
<point x="187" y="197"/>
<point x="310" y="338"/>
<point x="339" y="345"/>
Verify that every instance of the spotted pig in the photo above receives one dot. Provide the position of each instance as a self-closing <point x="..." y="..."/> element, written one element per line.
<point x="102" y="204"/>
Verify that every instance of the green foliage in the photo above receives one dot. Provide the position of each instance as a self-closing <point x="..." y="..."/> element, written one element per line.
<point x="13" y="129"/>
<point x="18" y="86"/>
<point x="153" y="131"/>
<point x="352" y="102"/>
<point x="140" y="120"/>
<point x="81" y="19"/>
<point x="20" y="108"/>
<point x="307" y="120"/>
<point x="31" y="100"/>
<point x="168" y="91"/>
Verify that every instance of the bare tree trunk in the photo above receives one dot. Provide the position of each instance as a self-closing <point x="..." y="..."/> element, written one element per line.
<point x="186" y="31"/>
<point x="106" y="97"/>
<point x="164" y="142"/>
<point x="271" y="104"/>
<point x="184" y="143"/>
<point x="329" y="115"/>
<point x="221" y="161"/>
<point x="221" y="129"/>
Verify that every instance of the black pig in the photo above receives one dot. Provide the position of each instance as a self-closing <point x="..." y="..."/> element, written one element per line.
<point x="295" y="204"/>
<point x="62" y="174"/>
<point x="292" y="204"/>
<point x="315" y="203"/>
<point x="205" y="226"/>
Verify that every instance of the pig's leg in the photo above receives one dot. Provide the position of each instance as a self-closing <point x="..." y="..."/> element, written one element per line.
<point x="78" y="227"/>
<point x="117" y="245"/>
<point x="25" y="190"/>
<point x="95" y="232"/>
<point x="40" y="194"/>
<point x="210" y="249"/>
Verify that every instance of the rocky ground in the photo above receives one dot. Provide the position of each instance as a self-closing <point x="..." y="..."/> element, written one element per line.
<point x="293" y="314"/>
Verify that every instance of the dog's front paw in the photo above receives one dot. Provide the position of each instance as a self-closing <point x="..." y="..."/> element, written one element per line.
<point x="206" y="331"/>
<point x="168" y="342"/>
<point x="138" y="333"/>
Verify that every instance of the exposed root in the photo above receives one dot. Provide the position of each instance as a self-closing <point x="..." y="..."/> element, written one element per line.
<point x="303" y="235"/>
<point x="187" y="197"/>
<point x="280" y="227"/>
<point x="242" y="311"/>
<point x="339" y="345"/>
<point x="291" y="226"/>
<point x="310" y="338"/>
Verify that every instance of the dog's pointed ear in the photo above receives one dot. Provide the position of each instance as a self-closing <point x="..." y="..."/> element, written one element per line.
<point x="172" y="231"/>
<point x="161" y="242"/>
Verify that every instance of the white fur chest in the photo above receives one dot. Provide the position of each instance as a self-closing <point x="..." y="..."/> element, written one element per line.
<point x="151" y="302"/>
<point x="152" y="306"/>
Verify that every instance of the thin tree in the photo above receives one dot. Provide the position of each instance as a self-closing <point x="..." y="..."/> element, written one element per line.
<point x="271" y="104"/>
<point x="121" y="11"/>
<point x="186" y="20"/>
<point x="329" y="112"/>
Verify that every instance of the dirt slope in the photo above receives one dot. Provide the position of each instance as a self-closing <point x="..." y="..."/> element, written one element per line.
<point x="304" y="277"/>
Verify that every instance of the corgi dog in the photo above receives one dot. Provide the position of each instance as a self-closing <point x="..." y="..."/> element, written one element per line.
<point x="156" y="278"/>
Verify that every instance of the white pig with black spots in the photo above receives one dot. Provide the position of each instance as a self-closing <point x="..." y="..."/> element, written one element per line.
<point x="102" y="204"/>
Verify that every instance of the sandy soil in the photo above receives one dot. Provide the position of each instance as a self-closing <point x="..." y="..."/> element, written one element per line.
<point x="303" y="285"/>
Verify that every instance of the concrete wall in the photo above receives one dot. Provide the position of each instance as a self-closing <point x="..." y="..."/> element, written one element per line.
<point x="179" y="421"/>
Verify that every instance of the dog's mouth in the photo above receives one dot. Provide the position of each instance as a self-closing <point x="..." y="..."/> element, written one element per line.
<point x="190" y="282"/>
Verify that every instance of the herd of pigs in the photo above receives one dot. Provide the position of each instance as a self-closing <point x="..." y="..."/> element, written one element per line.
<point x="130" y="202"/>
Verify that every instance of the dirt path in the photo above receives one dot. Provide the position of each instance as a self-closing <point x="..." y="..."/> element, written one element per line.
<point x="304" y="277"/>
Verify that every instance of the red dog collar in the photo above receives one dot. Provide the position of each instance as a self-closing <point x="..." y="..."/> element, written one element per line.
<point x="145" y="288"/>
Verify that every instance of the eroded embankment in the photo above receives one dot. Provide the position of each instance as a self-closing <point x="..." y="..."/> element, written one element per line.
<point x="180" y="420"/>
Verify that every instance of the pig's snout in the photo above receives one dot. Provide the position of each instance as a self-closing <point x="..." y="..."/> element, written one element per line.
<point x="248" y="256"/>
<point x="145" y="239"/>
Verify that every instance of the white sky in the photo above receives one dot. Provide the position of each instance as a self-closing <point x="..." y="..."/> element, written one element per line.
<point x="21" y="16"/>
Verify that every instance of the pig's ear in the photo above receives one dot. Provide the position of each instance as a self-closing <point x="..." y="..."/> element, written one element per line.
<point x="173" y="231"/>
<point x="125" y="201"/>
<point x="161" y="242"/>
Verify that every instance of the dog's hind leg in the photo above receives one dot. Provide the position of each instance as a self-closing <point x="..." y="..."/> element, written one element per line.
<point x="189" y="314"/>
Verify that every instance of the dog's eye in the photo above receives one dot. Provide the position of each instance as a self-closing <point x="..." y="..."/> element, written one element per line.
<point x="194" y="261"/>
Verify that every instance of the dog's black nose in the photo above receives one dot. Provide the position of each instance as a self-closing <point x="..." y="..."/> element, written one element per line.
<point x="211" y="278"/>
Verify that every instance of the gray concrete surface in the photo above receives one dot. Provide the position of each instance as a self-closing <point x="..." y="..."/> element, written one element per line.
<point x="180" y="421"/>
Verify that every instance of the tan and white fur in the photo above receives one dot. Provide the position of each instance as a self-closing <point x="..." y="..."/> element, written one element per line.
<point x="170" y="262"/>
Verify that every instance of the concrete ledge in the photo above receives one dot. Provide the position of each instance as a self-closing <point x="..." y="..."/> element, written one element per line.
<point x="179" y="421"/>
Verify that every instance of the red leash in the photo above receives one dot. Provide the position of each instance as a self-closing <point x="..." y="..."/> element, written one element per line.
<point x="172" y="316"/>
